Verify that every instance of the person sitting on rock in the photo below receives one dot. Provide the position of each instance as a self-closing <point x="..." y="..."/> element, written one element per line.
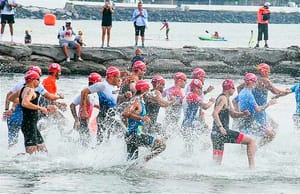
<point x="138" y="56"/>
<point x="66" y="40"/>
<point x="79" y="38"/>
<point x="27" y="38"/>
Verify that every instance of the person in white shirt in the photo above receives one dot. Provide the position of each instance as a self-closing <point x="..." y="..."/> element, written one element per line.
<point x="81" y="124"/>
<point x="108" y="94"/>
<point x="66" y="40"/>
<point x="8" y="16"/>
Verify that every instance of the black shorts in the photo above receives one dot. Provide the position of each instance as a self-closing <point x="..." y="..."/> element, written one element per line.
<point x="218" y="139"/>
<point x="139" y="30"/>
<point x="106" y="23"/>
<point x="263" y="31"/>
<point x="134" y="141"/>
<point x="32" y="136"/>
<point x="9" y="19"/>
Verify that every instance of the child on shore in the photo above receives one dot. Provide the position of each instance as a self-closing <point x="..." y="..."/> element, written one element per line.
<point x="27" y="38"/>
<point x="166" y="25"/>
<point x="79" y="38"/>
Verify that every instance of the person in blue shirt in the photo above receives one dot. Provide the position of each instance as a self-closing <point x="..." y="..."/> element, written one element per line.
<point x="140" y="20"/>
<point x="294" y="89"/>
<point x="260" y="92"/>
<point x="108" y="95"/>
<point x="249" y="125"/>
<point x="137" y="117"/>
<point x="296" y="117"/>
<point x="138" y="57"/>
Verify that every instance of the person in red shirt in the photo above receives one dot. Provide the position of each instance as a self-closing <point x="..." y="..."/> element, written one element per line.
<point x="50" y="85"/>
<point x="50" y="82"/>
<point x="263" y="16"/>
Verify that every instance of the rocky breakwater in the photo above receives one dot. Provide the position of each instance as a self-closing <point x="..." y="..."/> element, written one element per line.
<point x="230" y="61"/>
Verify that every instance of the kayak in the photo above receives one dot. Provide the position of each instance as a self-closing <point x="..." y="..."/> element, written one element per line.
<point x="206" y="38"/>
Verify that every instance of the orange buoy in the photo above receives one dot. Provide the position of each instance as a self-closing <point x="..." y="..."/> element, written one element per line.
<point x="49" y="19"/>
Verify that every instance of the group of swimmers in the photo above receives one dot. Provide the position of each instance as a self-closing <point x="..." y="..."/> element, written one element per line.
<point x="141" y="104"/>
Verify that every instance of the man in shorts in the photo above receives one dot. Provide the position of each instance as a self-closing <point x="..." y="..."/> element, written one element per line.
<point x="8" y="17"/>
<point x="66" y="40"/>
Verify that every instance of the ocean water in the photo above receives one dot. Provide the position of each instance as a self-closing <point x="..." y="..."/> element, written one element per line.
<point x="181" y="34"/>
<point x="69" y="168"/>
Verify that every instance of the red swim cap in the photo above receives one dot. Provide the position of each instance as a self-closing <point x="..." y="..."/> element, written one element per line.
<point x="250" y="78"/>
<point x="95" y="77"/>
<point x="36" y="69"/>
<point x="198" y="73"/>
<point x="112" y="71"/>
<point x="139" y="65"/>
<point x="142" y="85"/>
<point x="196" y="84"/>
<point x="228" y="84"/>
<point x="263" y="68"/>
<point x="54" y="68"/>
<point x="157" y="79"/>
<point x="179" y="76"/>
<point x="30" y="75"/>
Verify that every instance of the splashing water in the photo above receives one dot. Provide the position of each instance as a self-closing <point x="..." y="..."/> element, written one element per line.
<point x="71" y="168"/>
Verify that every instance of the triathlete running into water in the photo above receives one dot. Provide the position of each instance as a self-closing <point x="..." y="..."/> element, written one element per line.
<point x="81" y="124"/>
<point x="249" y="125"/>
<point x="153" y="101"/>
<point x="28" y="98"/>
<point x="173" y="112"/>
<point x="221" y="133"/>
<point x="14" y="114"/>
<point x="108" y="94"/>
<point x="136" y="114"/>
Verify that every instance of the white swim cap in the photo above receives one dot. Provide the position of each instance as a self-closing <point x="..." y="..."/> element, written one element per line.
<point x="267" y="4"/>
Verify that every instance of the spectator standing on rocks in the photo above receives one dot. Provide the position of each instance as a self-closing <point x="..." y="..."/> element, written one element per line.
<point x="140" y="20"/>
<point x="107" y="10"/>
<point x="8" y="16"/>
<point x="66" y="40"/>
<point x="263" y="16"/>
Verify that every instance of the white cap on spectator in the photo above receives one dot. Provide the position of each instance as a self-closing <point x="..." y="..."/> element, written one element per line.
<point x="68" y="21"/>
<point x="267" y="4"/>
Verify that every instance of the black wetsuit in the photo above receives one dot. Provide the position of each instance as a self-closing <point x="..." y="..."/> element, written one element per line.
<point x="218" y="139"/>
<point x="152" y="112"/>
<point x="32" y="136"/>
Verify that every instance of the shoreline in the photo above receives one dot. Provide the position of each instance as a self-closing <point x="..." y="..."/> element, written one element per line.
<point x="186" y="13"/>
<point x="61" y="4"/>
